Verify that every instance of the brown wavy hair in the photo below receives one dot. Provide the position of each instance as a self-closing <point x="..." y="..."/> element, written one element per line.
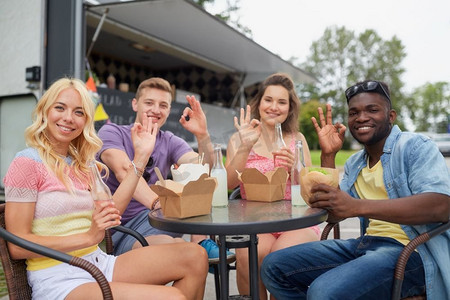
<point x="290" y="125"/>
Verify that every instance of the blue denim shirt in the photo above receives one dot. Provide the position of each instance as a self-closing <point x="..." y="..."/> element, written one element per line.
<point x="412" y="164"/>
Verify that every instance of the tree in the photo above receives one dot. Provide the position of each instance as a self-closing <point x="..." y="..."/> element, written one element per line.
<point x="341" y="58"/>
<point x="429" y="107"/>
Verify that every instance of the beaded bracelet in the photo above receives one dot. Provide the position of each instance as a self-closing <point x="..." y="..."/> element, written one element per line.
<point x="137" y="171"/>
<point x="154" y="204"/>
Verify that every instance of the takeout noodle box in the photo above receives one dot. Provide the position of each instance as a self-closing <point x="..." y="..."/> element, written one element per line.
<point x="311" y="176"/>
<point x="186" y="200"/>
<point x="266" y="187"/>
<point x="189" y="172"/>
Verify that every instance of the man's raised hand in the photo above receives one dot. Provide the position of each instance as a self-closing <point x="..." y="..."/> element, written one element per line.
<point x="331" y="137"/>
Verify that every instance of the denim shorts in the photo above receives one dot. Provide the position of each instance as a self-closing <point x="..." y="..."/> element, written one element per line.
<point x="58" y="281"/>
<point x="124" y="242"/>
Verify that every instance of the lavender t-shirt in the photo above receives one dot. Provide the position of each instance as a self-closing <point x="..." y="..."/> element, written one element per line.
<point x="168" y="150"/>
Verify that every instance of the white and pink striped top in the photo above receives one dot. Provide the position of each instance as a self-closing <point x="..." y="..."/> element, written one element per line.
<point x="58" y="212"/>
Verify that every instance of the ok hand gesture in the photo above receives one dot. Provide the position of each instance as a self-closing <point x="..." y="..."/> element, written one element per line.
<point x="331" y="137"/>
<point x="249" y="131"/>
<point x="194" y="119"/>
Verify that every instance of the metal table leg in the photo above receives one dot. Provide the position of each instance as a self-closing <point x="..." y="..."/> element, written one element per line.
<point x="253" y="266"/>
<point x="223" y="268"/>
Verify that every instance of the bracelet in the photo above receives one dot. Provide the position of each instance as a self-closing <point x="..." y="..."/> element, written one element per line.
<point x="154" y="203"/>
<point x="137" y="171"/>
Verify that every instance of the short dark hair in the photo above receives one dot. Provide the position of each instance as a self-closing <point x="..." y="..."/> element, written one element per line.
<point x="369" y="86"/>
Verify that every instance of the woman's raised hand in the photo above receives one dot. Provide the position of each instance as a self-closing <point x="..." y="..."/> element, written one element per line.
<point x="331" y="137"/>
<point x="249" y="130"/>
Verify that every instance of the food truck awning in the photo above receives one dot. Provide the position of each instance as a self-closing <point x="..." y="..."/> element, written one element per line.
<point x="186" y="32"/>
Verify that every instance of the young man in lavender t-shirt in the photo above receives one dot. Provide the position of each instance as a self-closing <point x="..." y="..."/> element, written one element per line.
<point x="153" y="97"/>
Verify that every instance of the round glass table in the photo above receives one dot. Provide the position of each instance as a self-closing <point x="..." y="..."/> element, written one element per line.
<point x="242" y="217"/>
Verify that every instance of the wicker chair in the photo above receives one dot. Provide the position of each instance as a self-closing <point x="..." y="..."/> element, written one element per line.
<point x="15" y="270"/>
<point x="109" y="247"/>
<point x="399" y="272"/>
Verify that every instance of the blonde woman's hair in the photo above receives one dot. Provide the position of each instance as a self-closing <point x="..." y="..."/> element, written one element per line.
<point x="82" y="149"/>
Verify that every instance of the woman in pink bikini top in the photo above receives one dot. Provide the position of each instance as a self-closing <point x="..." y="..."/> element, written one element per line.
<point x="253" y="147"/>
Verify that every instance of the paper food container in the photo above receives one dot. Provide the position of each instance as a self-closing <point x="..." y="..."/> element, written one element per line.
<point x="189" y="172"/>
<point x="311" y="176"/>
<point x="185" y="200"/>
<point x="266" y="187"/>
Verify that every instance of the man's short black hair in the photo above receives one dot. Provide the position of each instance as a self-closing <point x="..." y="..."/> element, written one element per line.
<point x="369" y="86"/>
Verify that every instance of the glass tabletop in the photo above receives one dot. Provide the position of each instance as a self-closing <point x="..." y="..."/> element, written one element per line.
<point x="243" y="217"/>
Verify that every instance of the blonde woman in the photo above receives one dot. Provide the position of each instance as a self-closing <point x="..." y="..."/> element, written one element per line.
<point x="48" y="202"/>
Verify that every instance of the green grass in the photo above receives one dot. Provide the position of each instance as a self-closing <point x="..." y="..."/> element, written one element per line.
<point x="341" y="157"/>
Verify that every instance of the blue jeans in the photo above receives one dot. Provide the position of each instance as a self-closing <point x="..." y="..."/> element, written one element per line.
<point x="360" y="268"/>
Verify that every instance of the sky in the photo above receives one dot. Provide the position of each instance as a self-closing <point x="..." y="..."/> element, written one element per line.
<point x="288" y="28"/>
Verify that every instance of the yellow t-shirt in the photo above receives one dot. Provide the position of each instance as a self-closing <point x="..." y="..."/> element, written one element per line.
<point x="370" y="185"/>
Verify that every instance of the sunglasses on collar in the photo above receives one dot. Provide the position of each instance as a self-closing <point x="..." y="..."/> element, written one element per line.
<point x="368" y="86"/>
